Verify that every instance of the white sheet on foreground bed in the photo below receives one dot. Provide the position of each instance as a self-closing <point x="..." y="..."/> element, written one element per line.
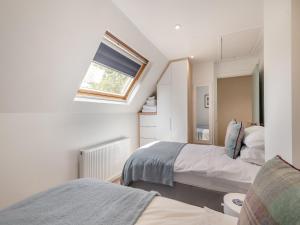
<point x="170" y="212"/>
<point x="209" y="167"/>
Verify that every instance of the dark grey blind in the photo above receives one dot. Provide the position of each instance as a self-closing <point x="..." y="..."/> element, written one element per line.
<point x="111" y="58"/>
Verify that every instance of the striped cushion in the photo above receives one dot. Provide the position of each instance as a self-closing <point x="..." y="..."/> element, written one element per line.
<point x="274" y="197"/>
<point x="234" y="137"/>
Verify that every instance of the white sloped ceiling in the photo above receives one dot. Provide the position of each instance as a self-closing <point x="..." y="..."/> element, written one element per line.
<point x="46" y="48"/>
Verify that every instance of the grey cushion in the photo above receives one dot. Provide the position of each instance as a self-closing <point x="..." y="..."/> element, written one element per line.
<point x="234" y="137"/>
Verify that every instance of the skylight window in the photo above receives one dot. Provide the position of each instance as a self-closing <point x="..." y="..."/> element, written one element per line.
<point x="114" y="70"/>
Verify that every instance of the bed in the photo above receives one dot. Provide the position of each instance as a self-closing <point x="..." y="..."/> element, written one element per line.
<point x="93" y="202"/>
<point x="208" y="166"/>
<point x="203" y="174"/>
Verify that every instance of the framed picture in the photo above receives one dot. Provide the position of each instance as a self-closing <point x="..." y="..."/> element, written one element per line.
<point x="206" y="101"/>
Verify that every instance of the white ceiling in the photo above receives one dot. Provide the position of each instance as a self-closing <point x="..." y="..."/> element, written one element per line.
<point x="241" y="44"/>
<point x="203" y="23"/>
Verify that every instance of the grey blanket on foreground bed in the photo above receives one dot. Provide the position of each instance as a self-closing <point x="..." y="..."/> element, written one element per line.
<point x="153" y="164"/>
<point x="80" y="202"/>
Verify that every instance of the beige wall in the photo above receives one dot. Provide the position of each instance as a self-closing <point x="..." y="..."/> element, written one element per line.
<point x="234" y="101"/>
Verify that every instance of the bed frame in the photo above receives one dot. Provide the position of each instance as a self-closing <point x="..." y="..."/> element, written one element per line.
<point x="186" y="193"/>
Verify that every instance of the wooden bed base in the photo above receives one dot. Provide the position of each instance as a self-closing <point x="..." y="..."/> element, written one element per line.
<point x="186" y="193"/>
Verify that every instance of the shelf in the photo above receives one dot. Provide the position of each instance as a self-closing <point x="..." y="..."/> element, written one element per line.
<point x="147" y="113"/>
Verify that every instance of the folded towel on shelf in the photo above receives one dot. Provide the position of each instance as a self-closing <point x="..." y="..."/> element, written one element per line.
<point x="147" y="108"/>
<point x="151" y="102"/>
<point x="150" y="105"/>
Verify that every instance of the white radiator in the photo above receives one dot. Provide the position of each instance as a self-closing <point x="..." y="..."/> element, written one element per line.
<point x="104" y="161"/>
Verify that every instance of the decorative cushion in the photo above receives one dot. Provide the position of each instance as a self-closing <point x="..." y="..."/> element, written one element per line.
<point x="274" y="197"/>
<point x="234" y="138"/>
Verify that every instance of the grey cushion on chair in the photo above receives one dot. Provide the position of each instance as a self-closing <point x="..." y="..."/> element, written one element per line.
<point x="234" y="137"/>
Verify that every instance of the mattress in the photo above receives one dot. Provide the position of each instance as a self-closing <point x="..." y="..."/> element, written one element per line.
<point x="208" y="166"/>
<point x="170" y="212"/>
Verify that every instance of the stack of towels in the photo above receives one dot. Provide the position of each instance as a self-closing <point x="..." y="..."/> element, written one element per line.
<point x="150" y="105"/>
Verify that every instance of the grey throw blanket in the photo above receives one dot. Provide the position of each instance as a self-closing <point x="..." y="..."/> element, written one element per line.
<point x="153" y="164"/>
<point x="80" y="202"/>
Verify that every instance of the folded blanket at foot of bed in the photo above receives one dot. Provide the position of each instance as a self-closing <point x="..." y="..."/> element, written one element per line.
<point x="83" y="201"/>
<point x="153" y="164"/>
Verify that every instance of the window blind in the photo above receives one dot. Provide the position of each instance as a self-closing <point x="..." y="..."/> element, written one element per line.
<point x="109" y="57"/>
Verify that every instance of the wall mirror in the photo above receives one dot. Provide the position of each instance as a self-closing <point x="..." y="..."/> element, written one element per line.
<point x="201" y="124"/>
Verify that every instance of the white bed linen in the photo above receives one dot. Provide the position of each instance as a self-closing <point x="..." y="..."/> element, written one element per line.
<point x="209" y="167"/>
<point x="170" y="212"/>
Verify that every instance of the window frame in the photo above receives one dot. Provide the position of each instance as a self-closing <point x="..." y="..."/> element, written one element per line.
<point x="109" y="96"/>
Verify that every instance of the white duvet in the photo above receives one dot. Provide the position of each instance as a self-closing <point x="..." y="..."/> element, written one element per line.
<point x="166" y="211"/>
<point x="212" y="161"/>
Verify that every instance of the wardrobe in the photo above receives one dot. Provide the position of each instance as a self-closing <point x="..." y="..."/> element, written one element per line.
<point x="174" y="94"/>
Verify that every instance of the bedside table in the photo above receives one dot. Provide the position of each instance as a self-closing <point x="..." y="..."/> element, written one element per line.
<point x="233" y="203"/>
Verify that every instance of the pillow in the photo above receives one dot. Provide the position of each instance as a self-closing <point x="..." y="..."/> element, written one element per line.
<point x="253" y="155"/>
<point x="233" y="138"/>
<point x="255" y="139"/>
<point x="274" y="197"/>
<point x="252" y="129"/>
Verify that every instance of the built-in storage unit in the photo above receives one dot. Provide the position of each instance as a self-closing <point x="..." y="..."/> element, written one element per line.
<point x="174" y="103"/>
<point x="147" y="128"/>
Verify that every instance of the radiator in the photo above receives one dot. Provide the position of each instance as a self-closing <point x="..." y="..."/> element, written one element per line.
<point x="104" y="161"/>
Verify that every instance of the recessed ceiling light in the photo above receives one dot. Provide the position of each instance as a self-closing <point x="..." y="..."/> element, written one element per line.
<point x="191" y="56"/>
<point x="177" y="27"/>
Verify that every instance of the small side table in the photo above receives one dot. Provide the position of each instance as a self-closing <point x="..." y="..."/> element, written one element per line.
<point x="233" y="203"/>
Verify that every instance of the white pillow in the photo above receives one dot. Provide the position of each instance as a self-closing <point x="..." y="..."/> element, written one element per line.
<point x="253" y="155"/>
<point x="252" y="129"/>
<point x="255" y="138"/>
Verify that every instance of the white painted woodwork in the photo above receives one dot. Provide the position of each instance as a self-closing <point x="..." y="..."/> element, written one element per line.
<point x="147" y="129"/>
<point x="148" y="120"/>
<point x="172" y="103"/>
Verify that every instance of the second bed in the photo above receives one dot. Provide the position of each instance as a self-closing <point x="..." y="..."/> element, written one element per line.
<point x="202" y="174"/>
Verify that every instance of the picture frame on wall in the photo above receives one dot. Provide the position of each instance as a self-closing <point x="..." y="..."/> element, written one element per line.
<point x="206" y="101"/>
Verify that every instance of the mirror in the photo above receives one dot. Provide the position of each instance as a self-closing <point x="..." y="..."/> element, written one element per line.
<point x="202" y="132"/>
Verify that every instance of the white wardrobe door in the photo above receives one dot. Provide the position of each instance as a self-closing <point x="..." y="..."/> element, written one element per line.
<point x="164" y="112"/>
<point x="179" y="101"/>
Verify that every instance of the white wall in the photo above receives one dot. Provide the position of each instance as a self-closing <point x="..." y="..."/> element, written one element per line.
<point x="202" y="113"/>
<point x="39" y="151"/>
<point x="46" y="48"/>
<point x="296" y="80"/>
<point x="281" y="60"/>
